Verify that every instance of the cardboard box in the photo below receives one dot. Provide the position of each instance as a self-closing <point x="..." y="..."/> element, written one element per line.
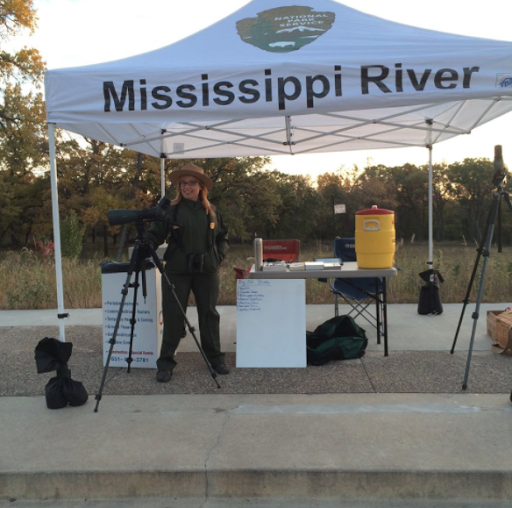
<point x="492" y="316"/>
<point x="503" y="331"/>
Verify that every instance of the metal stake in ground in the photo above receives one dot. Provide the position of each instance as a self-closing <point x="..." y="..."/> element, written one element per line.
<point x="483" y="250"/>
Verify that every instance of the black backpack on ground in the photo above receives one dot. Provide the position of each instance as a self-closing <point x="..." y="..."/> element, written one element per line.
<point x="339" y="338"/>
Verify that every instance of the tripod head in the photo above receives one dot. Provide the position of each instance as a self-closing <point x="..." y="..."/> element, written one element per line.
<point x="500" y="169"/>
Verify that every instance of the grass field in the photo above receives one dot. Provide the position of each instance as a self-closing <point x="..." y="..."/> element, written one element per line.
<point x="28" y="281"/>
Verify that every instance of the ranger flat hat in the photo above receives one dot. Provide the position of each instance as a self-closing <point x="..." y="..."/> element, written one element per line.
<point x="191" y="170"/>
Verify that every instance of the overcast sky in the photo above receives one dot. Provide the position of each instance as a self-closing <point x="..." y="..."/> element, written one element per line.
<point x="79" y="32"/>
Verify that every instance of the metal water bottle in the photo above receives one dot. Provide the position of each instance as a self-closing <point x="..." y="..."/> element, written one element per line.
<point x="258" y="254"/>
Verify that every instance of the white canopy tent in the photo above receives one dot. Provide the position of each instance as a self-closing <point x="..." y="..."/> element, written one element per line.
<point x="285" y="77"/>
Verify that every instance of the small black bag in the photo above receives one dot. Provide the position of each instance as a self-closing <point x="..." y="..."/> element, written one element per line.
<point x="61" y="390"/>
<point x="55" y="399"/>
<point x="430" y="298"/>
<point x="338" y="338"/>
<point x="51" y="354"/>
<point x="75" y="392"/>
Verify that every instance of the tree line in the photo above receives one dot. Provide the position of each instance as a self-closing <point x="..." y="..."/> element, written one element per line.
<point x="95" y="177"/>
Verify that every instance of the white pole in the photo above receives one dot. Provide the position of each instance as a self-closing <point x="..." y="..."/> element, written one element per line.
<point x="162" y="177"/>
<point x="430" y="261"/>
<point x="61" y="315"/>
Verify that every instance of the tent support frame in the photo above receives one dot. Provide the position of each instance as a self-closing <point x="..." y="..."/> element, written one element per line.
<point x="61" y="315"/>
<point x="430" y="261"/>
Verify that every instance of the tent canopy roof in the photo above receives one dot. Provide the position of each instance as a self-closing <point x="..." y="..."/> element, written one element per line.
<point x="283" y="76"/>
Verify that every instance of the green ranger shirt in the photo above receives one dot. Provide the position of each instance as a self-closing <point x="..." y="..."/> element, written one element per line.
<point x="189" y="230"/>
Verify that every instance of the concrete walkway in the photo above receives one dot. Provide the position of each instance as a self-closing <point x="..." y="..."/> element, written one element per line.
<point x="258" y="449"/>
<point x="408" y="331"/>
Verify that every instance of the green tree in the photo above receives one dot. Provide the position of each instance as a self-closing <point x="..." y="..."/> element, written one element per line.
<point x="95" y="177"/>
<point x="403" y="189"/>
<point x="442" y="201"/>
<point x="471" y="188"/>
<point x="23" y="145"/>
<point x="299" y="210"/>
<point x="338" y="188"/>
<point x="72" y="234"/>
<point x="23" y="65"/>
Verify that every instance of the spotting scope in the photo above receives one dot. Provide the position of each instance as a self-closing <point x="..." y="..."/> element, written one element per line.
<point x="118" y="217"/>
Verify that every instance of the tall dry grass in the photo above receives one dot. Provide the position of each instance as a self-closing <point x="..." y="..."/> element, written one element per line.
<point x="29" y="283"/>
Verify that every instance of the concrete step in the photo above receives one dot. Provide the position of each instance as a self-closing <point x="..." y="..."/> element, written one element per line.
<point x="358" y="447"/>
<point x="265" y="486"/>
<point x="290" y="502"/>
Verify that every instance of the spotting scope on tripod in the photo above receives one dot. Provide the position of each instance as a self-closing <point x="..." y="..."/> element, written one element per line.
<point x="484" y="249"/>
<point x="142" y="250"/>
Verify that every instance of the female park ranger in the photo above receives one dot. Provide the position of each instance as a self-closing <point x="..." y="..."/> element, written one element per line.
<point x="197" y="244"/>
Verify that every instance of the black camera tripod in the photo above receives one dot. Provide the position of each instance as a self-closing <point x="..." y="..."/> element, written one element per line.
<point x="142" y="250"/>
<point x="484" y="250"/>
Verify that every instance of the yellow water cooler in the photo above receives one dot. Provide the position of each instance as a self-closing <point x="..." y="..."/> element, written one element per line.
<point x="375" y="238"/>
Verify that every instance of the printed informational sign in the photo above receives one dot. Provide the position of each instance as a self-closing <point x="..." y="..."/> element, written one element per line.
<point x="271" y="323"/>
<point x="340" y="209"/>
<point x="147" y="333"/>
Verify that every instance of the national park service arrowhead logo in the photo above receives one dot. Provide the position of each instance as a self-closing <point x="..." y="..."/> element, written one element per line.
<point x="285" y="29"/>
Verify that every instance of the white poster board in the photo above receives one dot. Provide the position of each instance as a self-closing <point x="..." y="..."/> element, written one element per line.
<point x="271" y="323"/>
<point x="147" y="334"/>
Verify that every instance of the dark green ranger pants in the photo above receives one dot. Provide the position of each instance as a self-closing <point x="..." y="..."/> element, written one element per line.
<point x="205" y="288"/>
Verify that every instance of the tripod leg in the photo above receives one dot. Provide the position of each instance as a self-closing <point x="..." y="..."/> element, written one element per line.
<point x="507" y="200"/>
<point x="500" y="243"/>
<point x="377" y="309"/>
<point x="124" y="292"/>
<point x="135" y="286"/>
<point x="492" y="221"/>
<point x="472" y="279"/>
<point x="385" y="314"/>
<point x="475" y="320"/>
<point x="191" y="329"/>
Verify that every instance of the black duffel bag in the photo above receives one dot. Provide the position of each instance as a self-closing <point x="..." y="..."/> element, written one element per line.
<point x="339" y="338"/>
